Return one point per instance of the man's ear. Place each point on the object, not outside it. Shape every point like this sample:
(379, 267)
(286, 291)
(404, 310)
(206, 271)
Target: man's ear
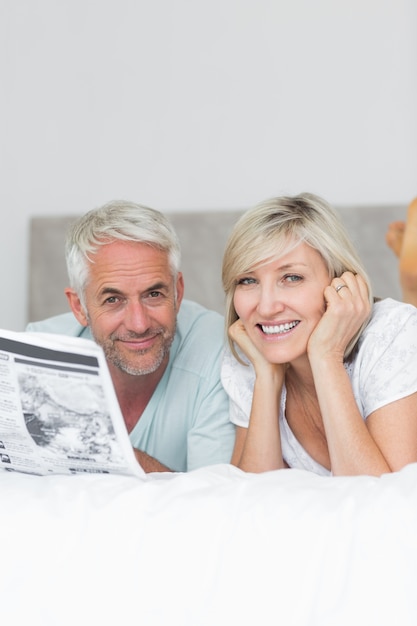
(76, 306)
(180, 289)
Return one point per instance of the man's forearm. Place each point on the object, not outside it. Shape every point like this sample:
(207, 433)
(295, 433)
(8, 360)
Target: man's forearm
(148, 463)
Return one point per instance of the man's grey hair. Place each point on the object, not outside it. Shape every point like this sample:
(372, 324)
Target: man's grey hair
(122, 221)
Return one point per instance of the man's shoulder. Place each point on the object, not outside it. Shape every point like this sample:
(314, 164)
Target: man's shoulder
(193, 317)
(199, 338)
(64, 324)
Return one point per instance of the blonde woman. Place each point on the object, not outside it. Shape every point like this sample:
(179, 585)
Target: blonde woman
(319, 376)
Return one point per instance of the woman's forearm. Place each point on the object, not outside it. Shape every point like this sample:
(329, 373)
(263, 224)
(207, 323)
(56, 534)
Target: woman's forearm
(262, 447)
(351, 447)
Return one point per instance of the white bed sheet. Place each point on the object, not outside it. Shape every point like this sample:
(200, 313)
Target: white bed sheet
(212, 547)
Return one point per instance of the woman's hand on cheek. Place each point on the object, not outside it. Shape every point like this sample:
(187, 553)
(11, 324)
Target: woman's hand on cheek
(347, 308)
(238, 333)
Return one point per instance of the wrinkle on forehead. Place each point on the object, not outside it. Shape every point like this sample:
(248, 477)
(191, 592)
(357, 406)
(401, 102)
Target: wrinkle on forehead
(124, 261)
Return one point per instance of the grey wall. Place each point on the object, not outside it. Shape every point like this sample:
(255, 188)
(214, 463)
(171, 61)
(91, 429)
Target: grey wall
(203, 236)
(199, 104)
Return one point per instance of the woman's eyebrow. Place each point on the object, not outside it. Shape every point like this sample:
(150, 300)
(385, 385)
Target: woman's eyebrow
(288, 266)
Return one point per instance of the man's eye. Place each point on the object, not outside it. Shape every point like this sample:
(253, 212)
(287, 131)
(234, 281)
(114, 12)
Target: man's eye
(112, 300)
(154, 294)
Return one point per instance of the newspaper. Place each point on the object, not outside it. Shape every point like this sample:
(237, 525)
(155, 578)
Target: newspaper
(59, 412)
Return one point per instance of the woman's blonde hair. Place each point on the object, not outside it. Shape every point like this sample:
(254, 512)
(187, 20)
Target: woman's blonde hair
(272, 227)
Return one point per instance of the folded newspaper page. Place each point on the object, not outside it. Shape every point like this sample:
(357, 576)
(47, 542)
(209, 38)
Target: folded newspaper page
(59, 412)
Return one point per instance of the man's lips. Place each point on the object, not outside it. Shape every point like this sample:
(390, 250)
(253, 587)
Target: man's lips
(140, 343)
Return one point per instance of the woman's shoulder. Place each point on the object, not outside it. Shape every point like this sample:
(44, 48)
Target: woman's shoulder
(238, 377)
(384, 365)
(391, 322)
(387, 309)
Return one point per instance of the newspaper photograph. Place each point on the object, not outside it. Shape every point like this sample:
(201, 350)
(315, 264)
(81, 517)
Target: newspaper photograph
(58, 409)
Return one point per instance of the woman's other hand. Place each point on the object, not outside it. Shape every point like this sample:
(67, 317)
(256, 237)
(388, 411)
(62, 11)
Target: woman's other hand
(347, 308)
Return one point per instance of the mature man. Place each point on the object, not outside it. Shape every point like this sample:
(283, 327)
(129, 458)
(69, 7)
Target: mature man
(163, 352)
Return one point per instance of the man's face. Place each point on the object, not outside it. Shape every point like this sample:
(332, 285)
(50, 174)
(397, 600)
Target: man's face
(131, 305)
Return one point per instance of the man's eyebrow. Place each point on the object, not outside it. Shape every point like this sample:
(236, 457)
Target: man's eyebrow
(109, 290)
(157, 286)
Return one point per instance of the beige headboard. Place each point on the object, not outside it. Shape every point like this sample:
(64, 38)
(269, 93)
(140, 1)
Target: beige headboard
(203, 236)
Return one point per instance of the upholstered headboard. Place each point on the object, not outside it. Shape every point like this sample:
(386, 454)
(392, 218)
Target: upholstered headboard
(203, 236)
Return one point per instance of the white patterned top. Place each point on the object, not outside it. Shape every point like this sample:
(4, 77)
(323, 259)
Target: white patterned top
(383, 369)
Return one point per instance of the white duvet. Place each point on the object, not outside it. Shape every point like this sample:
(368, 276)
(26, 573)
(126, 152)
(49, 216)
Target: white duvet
(212, 547)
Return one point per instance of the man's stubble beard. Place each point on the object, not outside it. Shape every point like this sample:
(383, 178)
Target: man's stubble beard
(124, 364)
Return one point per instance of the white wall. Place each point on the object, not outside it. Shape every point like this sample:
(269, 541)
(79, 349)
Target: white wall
(199, 104)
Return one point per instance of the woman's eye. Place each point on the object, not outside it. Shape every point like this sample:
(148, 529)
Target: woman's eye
(293, 278)
(246, 280)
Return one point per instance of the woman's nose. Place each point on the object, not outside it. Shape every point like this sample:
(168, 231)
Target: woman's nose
(270, 302)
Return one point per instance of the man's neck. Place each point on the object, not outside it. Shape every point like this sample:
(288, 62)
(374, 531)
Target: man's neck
(134, 392)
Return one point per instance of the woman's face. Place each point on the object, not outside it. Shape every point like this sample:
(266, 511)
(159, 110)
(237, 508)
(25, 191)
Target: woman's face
(280, 302)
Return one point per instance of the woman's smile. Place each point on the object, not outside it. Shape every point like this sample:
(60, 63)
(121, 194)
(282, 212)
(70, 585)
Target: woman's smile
(278, 329)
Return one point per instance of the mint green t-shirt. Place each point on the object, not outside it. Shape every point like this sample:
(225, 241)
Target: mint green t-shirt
(186, 424)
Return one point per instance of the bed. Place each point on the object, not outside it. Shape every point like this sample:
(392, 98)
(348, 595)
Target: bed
(216, 546)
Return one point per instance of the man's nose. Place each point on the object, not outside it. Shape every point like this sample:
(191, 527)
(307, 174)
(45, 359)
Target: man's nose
(136, 316)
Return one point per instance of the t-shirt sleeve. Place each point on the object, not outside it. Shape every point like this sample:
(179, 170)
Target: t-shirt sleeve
(211, 439)
(209, 432)
(238, 381)
(388, 368)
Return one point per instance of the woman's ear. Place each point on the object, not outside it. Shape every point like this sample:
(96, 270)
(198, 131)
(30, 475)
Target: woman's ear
(76, 306)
